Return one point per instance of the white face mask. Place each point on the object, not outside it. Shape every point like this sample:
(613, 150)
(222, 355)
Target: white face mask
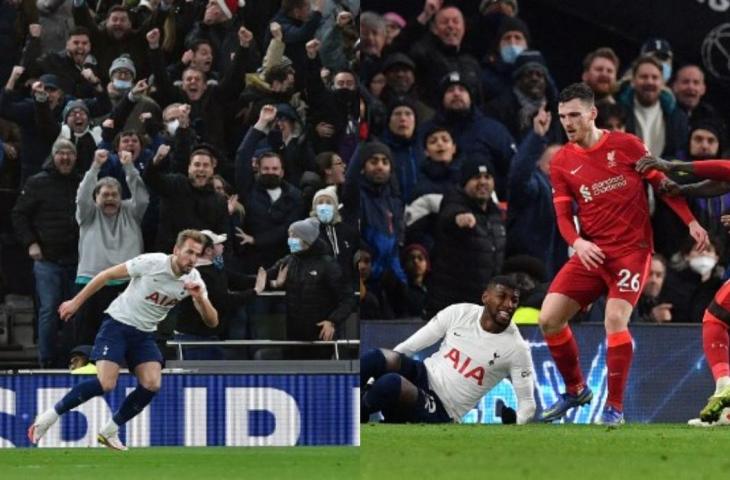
(172, 126)
(703, 264)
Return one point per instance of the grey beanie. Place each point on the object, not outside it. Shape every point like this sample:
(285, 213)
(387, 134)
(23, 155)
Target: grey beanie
(73, 105)
(123, 62)
(62, 144)
(307, 230)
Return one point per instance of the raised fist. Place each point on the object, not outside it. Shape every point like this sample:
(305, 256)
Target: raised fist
(267, 114)
(89, 76)
(162, 152)
(244, 37)
(125, 157)
(312, 47)
(343, 18)
(17, 72)
(153, 38)
(276, 30)
(35, 30)
(101, 156)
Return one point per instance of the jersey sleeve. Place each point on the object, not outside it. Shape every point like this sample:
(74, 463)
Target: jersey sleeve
(429, 334)
(563, 202)
(522, 375)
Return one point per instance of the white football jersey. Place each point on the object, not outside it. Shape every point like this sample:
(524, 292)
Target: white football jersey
(471, 361)
(152, 291)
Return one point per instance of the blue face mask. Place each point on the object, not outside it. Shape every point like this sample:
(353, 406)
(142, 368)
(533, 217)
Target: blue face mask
(122, 84)
(509, 53)
(666, 71)
(325, 212)
(295, 244)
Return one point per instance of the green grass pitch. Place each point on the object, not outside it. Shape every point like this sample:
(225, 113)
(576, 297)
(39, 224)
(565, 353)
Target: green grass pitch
(181, 463)
(565, 452)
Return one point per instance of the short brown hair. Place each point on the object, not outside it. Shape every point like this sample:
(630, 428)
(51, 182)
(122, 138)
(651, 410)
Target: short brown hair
(603, 52)
(189, 234)
(651, 59)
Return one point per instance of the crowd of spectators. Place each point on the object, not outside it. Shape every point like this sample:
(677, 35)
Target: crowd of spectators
(123, 123)
(459, 123)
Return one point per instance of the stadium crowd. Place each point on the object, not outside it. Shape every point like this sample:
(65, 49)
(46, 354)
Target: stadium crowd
(459, 123)
(283, 127)
(124, 123)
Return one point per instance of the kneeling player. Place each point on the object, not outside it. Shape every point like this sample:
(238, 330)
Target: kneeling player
(480, 347)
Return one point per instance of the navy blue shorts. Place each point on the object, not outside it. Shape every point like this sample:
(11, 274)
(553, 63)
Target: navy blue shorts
(119, 343)
(428, 408)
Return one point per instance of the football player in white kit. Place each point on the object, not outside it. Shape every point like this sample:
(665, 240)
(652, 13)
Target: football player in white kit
(480, 346)
(158, 282)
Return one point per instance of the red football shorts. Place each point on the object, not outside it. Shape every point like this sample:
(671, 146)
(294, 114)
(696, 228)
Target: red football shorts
(620, 277)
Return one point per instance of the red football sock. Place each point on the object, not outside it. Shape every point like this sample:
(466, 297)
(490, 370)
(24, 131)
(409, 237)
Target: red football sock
(564, 350)
(715, 343)
(618, 361)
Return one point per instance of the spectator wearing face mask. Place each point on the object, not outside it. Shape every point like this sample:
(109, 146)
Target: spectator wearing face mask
(342, 238)
(692, 280)
(318, 300)
(122, 80)
(271, 202)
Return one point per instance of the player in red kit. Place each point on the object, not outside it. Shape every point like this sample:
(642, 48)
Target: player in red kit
(715, 338)
(596, 171)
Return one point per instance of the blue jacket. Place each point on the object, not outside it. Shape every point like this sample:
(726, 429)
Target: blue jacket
(407, 156)
(381, 220)
(531, 225)
(478, 135)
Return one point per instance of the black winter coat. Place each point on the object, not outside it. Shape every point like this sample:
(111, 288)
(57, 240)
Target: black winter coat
(465, 259)
(184, 206)
(44, 213)
(315, 291)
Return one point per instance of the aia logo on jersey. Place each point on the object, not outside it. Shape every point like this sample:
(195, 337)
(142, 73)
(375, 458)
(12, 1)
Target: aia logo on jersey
(611, 158)
(586, 193)
(161, 300)
(477, 373)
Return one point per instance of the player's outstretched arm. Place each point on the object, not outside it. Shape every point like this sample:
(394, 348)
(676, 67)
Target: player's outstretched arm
(705, 188)
(427, 335)
(70, 307)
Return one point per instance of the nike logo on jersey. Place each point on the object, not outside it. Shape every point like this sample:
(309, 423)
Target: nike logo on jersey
(526, 373)
(575, 170)
(457, 334)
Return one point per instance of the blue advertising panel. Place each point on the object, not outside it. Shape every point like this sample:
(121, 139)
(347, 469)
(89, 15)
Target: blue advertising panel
(669, 379)
(192, 410)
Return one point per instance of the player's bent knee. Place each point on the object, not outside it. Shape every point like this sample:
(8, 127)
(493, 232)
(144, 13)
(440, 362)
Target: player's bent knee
(108, 384)
(152, 384)
(392, 359)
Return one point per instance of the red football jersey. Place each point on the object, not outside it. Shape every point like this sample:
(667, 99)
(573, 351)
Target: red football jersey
(613, 209)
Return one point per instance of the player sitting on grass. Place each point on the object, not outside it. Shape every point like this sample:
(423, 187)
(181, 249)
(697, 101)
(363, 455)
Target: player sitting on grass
(716, 320)
(158, 282)
(480, 346)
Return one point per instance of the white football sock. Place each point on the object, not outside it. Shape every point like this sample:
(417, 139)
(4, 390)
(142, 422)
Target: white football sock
(721, 383)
